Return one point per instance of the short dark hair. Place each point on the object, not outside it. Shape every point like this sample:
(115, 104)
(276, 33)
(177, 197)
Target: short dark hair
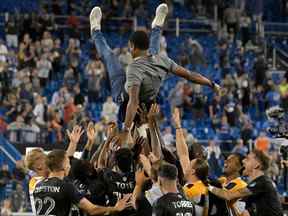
(240, 158)
(140, 40)
(262, 158)
(168, 171)
(54, 160)
(124, 159)
(201, 169)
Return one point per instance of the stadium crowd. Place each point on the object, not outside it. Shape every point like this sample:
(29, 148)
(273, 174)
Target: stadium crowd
(155, 163)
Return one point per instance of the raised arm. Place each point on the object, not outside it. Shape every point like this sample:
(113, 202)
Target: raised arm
(74, 138)
(132, 105)
(153, 129)
(195, 78)
(91, 135)
(181, 146)
(228, 195)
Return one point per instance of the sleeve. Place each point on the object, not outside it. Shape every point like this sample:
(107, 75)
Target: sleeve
(72, 194)
(171, 65)
(134, 76)
(256, 187)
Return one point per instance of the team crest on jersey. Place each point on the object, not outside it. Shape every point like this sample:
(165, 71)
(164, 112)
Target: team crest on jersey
(124, 178)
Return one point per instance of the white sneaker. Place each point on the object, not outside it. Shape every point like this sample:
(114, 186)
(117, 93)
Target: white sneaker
(95, 19)
(160, 16)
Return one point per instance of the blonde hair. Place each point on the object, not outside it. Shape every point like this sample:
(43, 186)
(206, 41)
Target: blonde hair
(32, 157)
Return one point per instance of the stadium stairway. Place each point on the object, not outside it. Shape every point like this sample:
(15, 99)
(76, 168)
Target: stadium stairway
(8, 153)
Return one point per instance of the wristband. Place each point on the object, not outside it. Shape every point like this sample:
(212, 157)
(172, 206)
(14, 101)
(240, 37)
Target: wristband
(178, 128)
(210, 188)
(212, 84)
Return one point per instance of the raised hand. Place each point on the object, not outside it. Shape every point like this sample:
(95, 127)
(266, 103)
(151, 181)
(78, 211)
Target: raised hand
(123, 203)
(177, 118)
(153, 159)
(139, 143)
(75, 135)
(140, 177)
(153, 112)
(91, 132)
(146, 163)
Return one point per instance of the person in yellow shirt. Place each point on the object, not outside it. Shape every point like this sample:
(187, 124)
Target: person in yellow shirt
(195, 171)
(232, 182)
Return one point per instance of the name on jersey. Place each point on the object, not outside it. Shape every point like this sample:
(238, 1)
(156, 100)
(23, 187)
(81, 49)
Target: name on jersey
(47, 189)
(182, 204)
(125, 186)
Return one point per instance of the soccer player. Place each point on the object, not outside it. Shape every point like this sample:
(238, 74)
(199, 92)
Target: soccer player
(54, 196)
(232, 182)
(120, 180)
(260, 195)
(115, 70)
(172, 203)
(35, 161)
(145, 75)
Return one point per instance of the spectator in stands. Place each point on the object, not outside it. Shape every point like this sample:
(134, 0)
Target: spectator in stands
(260, 69)
(71, 77)
(39, 110)
(3, 125)
(213, 150)
(60, 97)
(11, 30)
(14, 129)
(3, 52)
(196, 52)
(110, 110)
(262, 143)
(73, 50)
(69, 110)
(6, 209)
(231, 19)
(272, 96)
(56, 124)
(213, 157)
(168, 139)
(47, 42)
(245, 24)
(44, 67)
(56, 56)
(18, 199)
(240, 148)
(79, 98)
(32, 128)
(96, 73)
(176, 96)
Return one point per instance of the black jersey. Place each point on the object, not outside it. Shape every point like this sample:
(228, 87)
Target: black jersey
(54, 196)
(173, 204)
(117, 185)
(264, 200)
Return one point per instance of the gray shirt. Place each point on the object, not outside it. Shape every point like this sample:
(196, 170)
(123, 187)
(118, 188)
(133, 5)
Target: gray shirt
(148, 72)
